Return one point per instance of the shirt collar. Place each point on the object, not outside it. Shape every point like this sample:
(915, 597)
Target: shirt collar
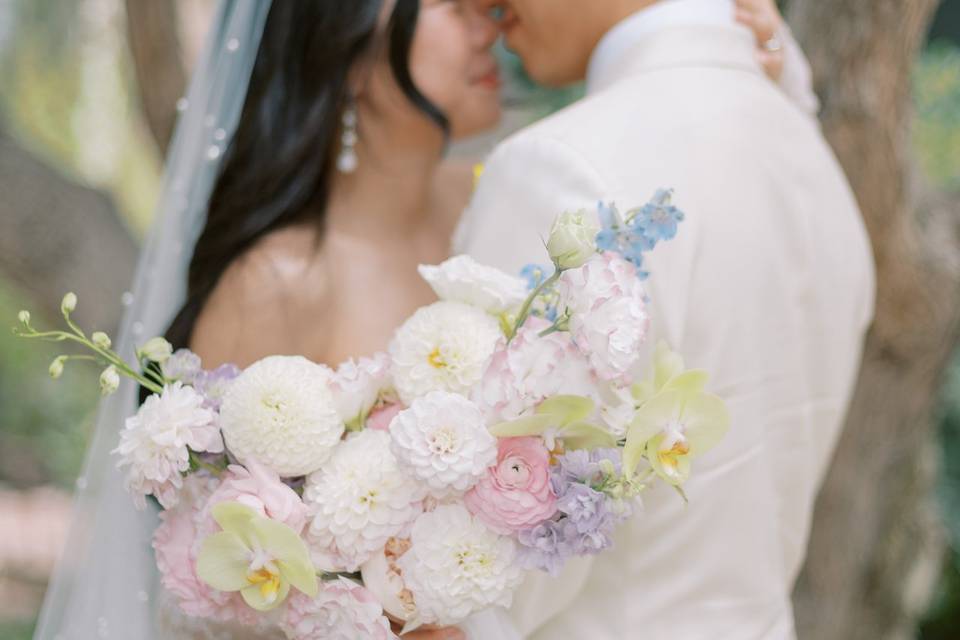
(648, 21)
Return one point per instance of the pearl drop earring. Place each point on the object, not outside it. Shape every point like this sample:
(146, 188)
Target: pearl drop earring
(347, 158)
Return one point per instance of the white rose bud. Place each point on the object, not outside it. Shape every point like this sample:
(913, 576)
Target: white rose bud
(573, 240)
(157, 349)
(24, 317)
(109, 380)
(56, 367)
(101, 339)
(69, 303)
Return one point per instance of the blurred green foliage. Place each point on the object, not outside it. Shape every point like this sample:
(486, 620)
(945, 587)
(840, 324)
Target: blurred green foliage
(937, 121)
(44, 423)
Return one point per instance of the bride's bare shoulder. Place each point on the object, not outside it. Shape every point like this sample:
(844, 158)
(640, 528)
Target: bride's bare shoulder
(258, 306)
(453, 186)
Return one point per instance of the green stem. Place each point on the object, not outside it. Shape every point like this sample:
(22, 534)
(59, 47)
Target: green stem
(528, 303)
(200, 464)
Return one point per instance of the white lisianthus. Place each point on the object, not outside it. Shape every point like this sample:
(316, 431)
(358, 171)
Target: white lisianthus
(357, 384)
(442, 440)
(606, 302)
(463, 279)
(154, 443)
(109, 380)
(69, 303)
(357, 501)
(442, 347)
(157, 349)
(573, 239)
(101, 339)
(280, 412)
(56, 367)
(24, 317)
(456, 566)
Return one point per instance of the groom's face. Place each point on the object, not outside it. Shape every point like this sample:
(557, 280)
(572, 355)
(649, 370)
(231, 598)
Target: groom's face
(554, 38)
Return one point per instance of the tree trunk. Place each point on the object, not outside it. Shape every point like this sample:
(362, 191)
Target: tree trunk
(152, 31)
(57, 236)
(876, 544)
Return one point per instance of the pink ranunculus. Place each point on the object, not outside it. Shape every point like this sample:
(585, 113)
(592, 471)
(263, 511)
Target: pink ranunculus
(516, 492)
(380, 418)
(259, 488)
(176, 543)
(343, 610)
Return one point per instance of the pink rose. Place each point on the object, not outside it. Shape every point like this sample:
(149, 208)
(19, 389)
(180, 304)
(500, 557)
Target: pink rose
(260, 489)
(516, 493)
(177, 542)
(381, 418)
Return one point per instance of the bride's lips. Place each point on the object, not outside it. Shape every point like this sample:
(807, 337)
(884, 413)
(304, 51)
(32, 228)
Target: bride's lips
(490, 79)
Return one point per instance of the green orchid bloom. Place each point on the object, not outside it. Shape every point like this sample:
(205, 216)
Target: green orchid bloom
(672, 428)
(563, 418)
(259, 557)
(668, 373)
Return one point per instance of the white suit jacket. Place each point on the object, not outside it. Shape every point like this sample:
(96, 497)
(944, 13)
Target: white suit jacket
(768, 285)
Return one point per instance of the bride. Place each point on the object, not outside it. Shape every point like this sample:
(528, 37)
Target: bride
(308, 171)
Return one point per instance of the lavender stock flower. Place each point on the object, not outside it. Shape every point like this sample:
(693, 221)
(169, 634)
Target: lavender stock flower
(213, 384)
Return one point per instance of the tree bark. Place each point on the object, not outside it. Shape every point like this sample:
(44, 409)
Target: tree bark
(57, 236)
(152, 32)
(876, 545)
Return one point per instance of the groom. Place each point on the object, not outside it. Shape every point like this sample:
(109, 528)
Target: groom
(768, 286)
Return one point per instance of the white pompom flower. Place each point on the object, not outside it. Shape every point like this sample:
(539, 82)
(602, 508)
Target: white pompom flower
(456, 566)
(281, 412)
(442, 347)
(155, 443)
(442, 440)
(463, 279)
(357, 501)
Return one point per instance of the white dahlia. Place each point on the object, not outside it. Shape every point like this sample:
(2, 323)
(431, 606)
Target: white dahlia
(456, 566)
(442, 347)
(442, 440)
(280, 412)
(463, 279)
(357, 501)
(155, 443)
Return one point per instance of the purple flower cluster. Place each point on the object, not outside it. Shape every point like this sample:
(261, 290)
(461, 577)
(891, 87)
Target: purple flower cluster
(184, 365)
(213, 385)
(584, 522)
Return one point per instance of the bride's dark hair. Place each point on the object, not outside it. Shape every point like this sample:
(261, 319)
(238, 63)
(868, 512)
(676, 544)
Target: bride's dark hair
(277, 167)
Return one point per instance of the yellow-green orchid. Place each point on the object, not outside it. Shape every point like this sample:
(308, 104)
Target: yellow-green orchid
(259, 557)
(668, 373)
(559, 418)
(673, 427)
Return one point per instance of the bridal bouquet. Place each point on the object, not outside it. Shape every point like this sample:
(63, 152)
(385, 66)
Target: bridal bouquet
(504, 430)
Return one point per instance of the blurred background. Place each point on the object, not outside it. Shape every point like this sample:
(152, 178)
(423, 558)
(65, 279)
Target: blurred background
(87, 104)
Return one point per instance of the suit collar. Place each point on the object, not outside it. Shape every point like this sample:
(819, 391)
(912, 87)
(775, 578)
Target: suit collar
(673, 46)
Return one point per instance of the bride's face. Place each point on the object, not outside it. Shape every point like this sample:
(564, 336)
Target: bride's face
(451, 63)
